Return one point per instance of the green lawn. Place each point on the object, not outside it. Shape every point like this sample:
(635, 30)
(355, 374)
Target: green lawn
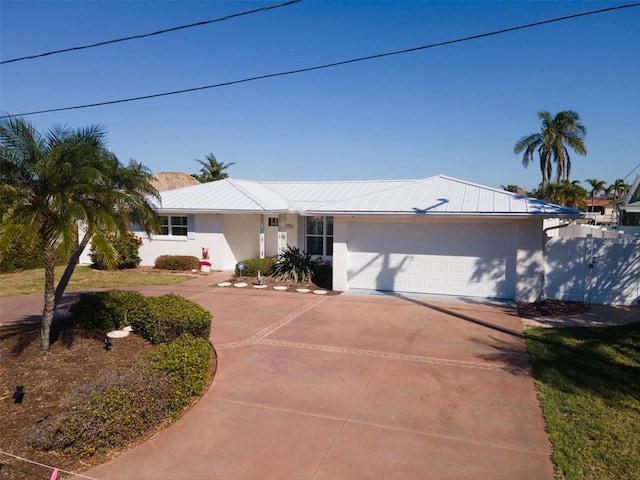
(588, 381)
(32, 281)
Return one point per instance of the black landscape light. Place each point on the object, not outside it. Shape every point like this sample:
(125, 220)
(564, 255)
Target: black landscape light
(18, 396)
(107, 344)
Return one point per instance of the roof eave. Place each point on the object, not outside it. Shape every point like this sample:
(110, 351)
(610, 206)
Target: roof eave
(503, 215)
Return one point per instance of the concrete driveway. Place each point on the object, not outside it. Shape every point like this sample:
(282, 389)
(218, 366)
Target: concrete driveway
(353, 387)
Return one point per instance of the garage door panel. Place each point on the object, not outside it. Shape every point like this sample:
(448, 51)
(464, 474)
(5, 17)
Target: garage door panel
(472, 260)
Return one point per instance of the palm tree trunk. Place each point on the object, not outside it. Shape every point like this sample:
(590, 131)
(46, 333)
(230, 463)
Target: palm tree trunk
(49, 295)
(68, 271)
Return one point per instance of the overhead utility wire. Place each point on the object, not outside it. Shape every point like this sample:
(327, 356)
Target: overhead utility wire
(159, 32)
(327, 65)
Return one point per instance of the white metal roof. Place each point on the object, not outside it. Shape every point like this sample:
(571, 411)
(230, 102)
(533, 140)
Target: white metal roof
(439, 195)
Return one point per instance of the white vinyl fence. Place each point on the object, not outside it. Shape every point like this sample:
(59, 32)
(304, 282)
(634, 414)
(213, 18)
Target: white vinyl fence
(596, 270)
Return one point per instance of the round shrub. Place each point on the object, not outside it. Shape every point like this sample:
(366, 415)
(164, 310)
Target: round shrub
(171, 316)
(111, 412)
(177, 262)
(110, 310)
(185, 362)
(253, 265)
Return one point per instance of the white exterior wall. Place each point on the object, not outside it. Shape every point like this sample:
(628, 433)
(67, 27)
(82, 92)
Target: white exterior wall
(204, 231)
(340, 254)
(529, 260)
(230, 239)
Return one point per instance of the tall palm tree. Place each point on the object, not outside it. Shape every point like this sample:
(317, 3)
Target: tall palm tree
(597, 186)
(53, 181)
(211, 169)
(552, 144)
(618, 189)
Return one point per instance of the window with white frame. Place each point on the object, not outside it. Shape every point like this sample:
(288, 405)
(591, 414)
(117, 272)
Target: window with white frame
(173, 226)
(319, 236)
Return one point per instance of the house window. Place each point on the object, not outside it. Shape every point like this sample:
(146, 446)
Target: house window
(176, 226)
(319, 236)
(273, 221)
(631, 219)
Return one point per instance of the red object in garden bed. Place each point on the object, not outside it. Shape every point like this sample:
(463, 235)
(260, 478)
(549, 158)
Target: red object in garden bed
(204, 265)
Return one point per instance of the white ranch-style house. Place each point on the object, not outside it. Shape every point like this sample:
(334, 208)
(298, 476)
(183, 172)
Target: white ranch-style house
(437, 235)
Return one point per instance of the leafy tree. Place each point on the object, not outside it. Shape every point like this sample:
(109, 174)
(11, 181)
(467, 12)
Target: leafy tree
(552, 144)
(618, 189)
(54, 181)
(211, 169)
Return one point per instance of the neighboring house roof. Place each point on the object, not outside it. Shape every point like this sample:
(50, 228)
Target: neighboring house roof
(439, 195)
(164, 181)
(631, 202)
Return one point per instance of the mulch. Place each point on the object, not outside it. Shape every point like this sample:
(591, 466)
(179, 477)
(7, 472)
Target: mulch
(551, 308)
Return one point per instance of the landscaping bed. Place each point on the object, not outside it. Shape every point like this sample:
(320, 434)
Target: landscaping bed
(551, 308)
(76, 358)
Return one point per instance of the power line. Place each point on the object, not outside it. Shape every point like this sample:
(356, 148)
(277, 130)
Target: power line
(328, 65)
(159, 32)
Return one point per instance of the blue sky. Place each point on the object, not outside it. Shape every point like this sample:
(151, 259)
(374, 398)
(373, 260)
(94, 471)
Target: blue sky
(455, 110)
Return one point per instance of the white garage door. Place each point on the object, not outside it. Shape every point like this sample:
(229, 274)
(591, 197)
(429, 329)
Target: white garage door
(451, 259)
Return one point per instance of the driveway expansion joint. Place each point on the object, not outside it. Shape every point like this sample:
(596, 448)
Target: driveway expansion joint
(392, 356)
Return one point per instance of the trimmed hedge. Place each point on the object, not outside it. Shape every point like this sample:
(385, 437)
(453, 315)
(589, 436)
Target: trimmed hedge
(156, 319)
(252, 265)
(172, 316)
(177, 262)
(110, 310)
(185, 362)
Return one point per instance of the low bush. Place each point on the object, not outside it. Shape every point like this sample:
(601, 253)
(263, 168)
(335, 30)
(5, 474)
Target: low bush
(295, 264)
(177, 262)
(253, 265)
(185, 362)
(127, 256)
(171, 316)
(111, 412)
(110, 310)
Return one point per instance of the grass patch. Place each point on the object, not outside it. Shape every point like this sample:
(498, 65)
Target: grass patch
(32, 281)
(588, 382)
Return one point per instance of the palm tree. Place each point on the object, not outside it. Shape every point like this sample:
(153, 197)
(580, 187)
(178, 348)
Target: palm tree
(211, 169)
(53, 181)
(618, 189)
(570, 194)
(597, 186)
(552, 143)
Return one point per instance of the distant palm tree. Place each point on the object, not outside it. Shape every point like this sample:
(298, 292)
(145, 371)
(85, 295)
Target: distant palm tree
(552, 143)
(618, 189)
(597, 186)
(570, 194)
(211, 169)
